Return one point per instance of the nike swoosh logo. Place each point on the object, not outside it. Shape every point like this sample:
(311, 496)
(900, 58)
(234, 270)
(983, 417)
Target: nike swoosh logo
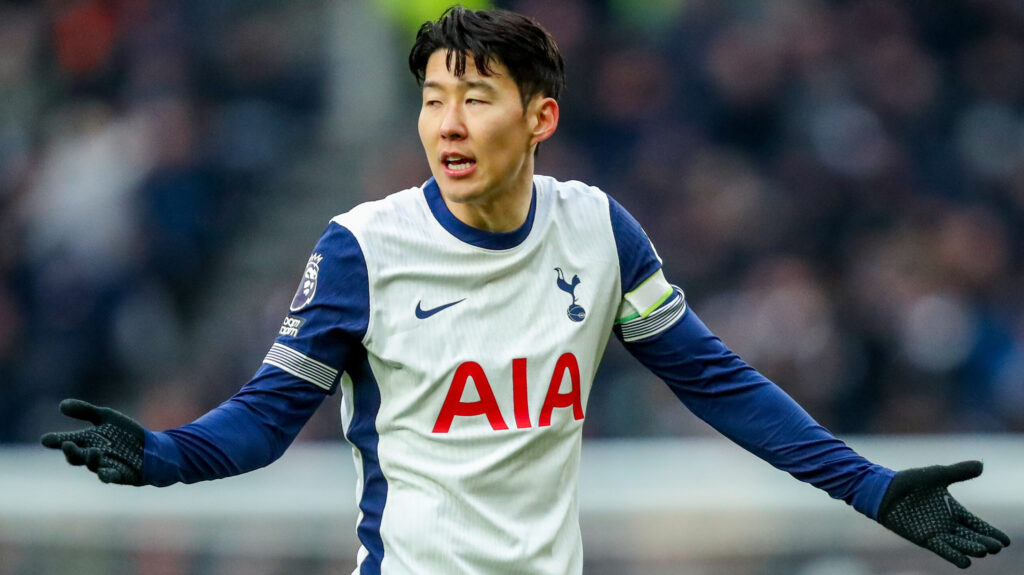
(425, 313)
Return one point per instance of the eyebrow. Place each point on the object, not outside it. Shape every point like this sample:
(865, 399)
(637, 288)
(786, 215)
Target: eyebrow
(470, 84)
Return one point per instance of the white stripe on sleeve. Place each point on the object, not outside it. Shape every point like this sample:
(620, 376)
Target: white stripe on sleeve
(297, 364)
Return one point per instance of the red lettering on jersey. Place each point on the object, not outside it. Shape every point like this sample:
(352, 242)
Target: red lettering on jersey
(557, 399)
(519, 398)
(453, 404)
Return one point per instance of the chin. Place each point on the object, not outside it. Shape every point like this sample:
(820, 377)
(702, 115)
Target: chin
(459, 191)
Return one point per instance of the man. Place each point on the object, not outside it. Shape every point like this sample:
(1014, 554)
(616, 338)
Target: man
(464, 321)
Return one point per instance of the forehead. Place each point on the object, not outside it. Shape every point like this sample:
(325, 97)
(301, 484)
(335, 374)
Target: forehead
(437, 73)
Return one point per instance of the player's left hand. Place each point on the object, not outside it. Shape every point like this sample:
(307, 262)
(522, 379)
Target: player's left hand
(918, 507)
(113, 449)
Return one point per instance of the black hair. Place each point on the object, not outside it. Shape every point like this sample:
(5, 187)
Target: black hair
(518, 42)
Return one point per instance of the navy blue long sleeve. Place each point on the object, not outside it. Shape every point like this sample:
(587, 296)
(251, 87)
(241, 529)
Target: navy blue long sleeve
(248, 431)
(327, 319)
(721, 389)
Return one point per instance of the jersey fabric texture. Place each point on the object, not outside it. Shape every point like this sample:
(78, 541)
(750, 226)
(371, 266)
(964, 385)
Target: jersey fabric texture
(465, 360)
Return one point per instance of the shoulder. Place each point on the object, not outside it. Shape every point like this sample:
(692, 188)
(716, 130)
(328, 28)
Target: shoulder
(347, 235)
(569, 191)
(395, 210)
(574, 193)
(579, 202)
(573, 202)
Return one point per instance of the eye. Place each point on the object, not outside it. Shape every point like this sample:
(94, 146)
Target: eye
(474, 101)
(432, 103)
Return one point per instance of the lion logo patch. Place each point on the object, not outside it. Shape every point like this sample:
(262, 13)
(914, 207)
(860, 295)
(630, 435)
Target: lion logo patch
(307, 287)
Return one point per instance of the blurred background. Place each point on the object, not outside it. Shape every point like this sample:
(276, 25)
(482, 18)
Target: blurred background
(837, 185)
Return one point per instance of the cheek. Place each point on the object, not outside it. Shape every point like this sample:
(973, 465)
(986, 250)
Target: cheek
(428, 124)
(421, 128)
(507, 140)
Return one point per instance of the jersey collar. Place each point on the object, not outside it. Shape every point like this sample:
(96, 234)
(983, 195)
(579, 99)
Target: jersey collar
(469, 234)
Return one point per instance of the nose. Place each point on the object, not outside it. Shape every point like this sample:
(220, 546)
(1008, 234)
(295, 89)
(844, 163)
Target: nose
(452, 125)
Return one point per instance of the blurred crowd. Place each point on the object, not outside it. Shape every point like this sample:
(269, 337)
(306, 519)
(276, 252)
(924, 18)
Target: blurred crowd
(838, 186)
(130, 133)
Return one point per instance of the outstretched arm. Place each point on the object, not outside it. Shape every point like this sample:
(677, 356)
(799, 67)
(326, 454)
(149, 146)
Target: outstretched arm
(658, 329)
(721, 389)
(252, 429)
(745, 406)
(249, 431)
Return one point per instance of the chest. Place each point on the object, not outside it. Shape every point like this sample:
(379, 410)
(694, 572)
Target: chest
(439, 302)
(507, 332)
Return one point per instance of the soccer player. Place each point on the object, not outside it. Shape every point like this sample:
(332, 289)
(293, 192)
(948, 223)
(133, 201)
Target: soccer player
(464, 320)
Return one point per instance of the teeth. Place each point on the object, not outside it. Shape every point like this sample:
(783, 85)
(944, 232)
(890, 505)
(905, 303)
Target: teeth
(458, 163)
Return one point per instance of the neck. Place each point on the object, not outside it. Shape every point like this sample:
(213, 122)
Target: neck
(500, 210)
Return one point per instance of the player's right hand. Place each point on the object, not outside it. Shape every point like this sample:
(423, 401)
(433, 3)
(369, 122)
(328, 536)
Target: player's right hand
(112, 449)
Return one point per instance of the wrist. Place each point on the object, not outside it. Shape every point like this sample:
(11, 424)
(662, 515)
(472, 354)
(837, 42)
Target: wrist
(159, 459)
(872, 490)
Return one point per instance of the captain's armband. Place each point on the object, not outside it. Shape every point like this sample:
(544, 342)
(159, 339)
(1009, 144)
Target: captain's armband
(650, 309)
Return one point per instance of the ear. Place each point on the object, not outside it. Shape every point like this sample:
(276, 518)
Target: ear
(543, 116)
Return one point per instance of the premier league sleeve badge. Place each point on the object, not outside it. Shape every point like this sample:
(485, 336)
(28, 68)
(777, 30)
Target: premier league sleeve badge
(307, 287)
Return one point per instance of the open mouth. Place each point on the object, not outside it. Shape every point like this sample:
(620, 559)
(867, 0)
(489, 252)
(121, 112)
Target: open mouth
(457, 165)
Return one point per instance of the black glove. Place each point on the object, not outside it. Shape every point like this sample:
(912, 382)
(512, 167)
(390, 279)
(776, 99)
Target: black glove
(918, 507)
(112, 450)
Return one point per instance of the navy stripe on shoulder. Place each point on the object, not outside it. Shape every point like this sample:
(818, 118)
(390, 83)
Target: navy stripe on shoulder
(637, 258)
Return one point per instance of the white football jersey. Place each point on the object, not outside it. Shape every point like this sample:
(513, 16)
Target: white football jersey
(465, 394)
